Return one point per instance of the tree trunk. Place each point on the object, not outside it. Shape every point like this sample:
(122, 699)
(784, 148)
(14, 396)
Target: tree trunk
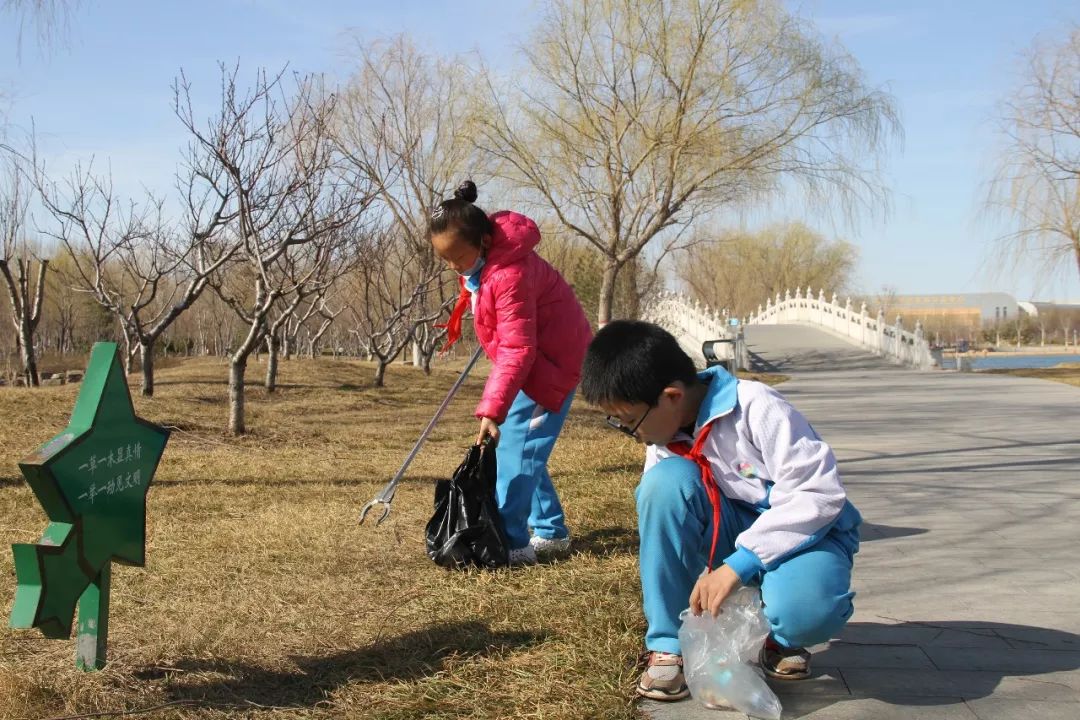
(380, 372)
(26, 305)
(316, 339)
(237, 368)
(273, 349)
(29, 355)
(129, 354)
(607, 293)
(146, 357)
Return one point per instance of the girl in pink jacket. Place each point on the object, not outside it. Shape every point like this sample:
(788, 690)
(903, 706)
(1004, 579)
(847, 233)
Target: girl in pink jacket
(533, 329)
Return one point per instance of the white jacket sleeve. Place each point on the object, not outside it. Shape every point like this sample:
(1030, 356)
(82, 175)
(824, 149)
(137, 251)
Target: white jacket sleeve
(807, 495)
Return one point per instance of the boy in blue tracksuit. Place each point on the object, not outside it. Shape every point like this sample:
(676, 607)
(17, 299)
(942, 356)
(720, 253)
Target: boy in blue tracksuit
(737, 489)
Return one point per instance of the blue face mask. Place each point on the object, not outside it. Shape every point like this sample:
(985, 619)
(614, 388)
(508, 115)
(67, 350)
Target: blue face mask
(472, 275)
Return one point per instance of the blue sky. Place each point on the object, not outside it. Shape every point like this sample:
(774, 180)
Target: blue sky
(105, 92)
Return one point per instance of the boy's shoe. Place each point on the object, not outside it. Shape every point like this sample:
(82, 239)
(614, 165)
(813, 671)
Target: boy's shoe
(550, 546)
(522, 556)
(663, 678)
(781, 663)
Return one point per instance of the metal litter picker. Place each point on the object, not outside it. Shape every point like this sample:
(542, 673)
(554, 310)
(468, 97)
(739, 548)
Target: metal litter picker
(387, 495)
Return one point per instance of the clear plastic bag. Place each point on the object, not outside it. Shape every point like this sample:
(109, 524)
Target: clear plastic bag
(719, 656)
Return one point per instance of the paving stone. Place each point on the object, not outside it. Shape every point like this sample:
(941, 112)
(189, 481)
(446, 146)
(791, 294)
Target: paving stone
(968, 684)
(970, 638)
(858, 631)
(825, 681)
(840, 655)
(1044, 638)
(688, 709)
(1014, 661)
(893, 708)
(1005, 709)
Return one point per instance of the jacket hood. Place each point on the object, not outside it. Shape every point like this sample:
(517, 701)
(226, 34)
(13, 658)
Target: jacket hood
(515, 237)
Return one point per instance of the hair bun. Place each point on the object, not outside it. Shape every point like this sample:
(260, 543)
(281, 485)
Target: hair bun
(466, 191)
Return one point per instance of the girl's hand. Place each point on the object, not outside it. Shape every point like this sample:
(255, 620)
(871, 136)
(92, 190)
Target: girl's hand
(488, 429)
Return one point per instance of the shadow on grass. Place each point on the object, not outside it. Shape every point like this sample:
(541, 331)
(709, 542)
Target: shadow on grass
(633, 467)
(409, 657)
(604, 542)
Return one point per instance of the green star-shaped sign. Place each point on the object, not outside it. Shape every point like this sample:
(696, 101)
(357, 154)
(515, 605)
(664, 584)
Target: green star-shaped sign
(92, 481)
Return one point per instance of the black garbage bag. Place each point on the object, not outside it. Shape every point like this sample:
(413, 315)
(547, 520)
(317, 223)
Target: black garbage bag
(466, 528)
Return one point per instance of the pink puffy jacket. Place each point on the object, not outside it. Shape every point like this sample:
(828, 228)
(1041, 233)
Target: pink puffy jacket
(528, 320)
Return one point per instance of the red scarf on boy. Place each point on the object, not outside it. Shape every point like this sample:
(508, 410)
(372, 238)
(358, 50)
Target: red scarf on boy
(694, 452)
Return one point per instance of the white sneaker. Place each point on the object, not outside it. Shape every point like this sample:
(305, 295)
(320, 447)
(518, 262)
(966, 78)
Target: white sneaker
(550, 546)
(522, 556)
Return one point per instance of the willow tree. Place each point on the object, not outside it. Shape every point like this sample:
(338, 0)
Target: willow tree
(635, 117)
(269, 147)
(405, 129)
(1037, 182)
(737, 271)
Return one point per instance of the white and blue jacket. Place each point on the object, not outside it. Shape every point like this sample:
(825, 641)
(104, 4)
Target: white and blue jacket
(764, 453)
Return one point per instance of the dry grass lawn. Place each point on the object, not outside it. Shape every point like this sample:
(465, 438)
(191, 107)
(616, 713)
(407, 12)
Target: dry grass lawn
(263, 598)
(1068, 373)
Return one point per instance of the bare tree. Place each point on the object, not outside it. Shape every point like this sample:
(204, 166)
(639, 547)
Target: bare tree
(635, 118)
(1037, 182)
(131, 261)
(272, 145)
(25, 288)
(737, 271)
(406, 129)
(384, 300)
(327, 318)
(311, 270)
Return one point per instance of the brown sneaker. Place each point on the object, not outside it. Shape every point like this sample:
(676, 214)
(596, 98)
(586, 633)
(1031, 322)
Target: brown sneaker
(663, 678)
(782, 663)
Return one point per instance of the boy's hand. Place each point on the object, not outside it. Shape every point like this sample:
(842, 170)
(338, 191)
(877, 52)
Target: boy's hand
(488, 428)
(712, 589)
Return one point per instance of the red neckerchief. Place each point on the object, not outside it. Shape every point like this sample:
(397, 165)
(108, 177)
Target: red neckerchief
(453, 325)
(694, 453)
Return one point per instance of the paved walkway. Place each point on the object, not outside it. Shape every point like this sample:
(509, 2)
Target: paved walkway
(968, 578)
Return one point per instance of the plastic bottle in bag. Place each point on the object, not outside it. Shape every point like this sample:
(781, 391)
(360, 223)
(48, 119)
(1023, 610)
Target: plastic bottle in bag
(719, 656)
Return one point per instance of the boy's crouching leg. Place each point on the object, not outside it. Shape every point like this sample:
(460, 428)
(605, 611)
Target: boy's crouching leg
(808, 598)
(674, 518)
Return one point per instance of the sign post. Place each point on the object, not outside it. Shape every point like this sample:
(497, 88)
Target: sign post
(92, 481)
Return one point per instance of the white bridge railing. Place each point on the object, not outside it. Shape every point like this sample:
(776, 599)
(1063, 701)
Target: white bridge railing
(693, 325)
(857, 326)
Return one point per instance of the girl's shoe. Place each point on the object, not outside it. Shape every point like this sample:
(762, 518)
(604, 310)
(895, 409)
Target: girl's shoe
(550, 546)
(522, 556)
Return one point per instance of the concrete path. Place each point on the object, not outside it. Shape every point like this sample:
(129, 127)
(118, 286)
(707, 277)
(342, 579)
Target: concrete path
(968, 578)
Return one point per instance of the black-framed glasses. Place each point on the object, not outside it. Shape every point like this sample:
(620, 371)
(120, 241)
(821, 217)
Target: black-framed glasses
(614, 422)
